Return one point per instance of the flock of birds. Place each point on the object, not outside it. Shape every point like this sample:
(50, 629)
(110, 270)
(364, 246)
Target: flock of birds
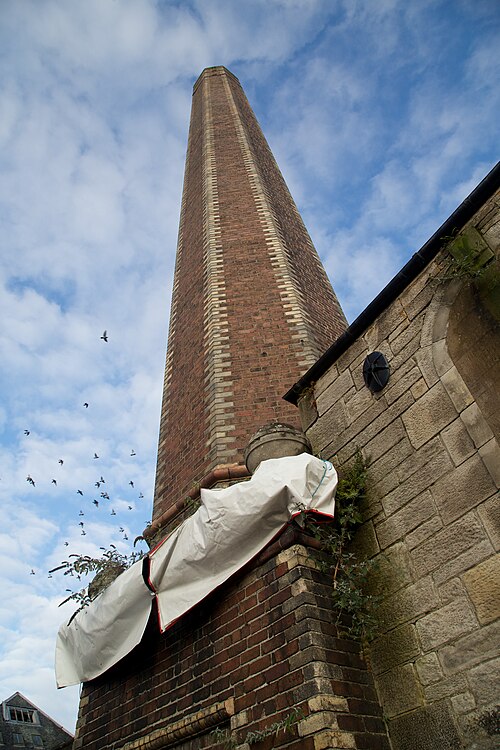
(104, 495)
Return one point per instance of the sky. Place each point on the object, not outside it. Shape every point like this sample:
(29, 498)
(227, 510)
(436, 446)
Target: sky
(382, 115)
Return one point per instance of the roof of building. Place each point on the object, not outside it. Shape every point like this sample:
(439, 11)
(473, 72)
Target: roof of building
(465, 211)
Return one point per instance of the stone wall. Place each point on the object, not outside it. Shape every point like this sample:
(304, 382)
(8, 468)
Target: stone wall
(433, 516)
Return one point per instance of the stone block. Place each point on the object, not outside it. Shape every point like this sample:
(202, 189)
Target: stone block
(429, 415)
(308, 409)
(429, 669)
(451, 589)
(446, 688)
(471, 649)
(439, 463)
(427, 728)
(447, 544)
(463, 703)
(403, 384)
(382, 475)
(476, 425)
(394, 648)
(464, 488)
(329, 739)
(483, 586)
(399, 690)
(441, 357)
(406, 519)
(420, 302)
(365, 541)
(389, 320)
(423, 532)
(446, 624)
(357, 349)
(370, 424)
(419, 388)
(331, 425)
(408, 604)
(399, 338)
(334, 392)
(425, 361)
(456, 389)
(484, 682)
(457, 565)
(385, 440)
(489, 513)
(490, 453)
(458, 442)
(392, 573)
(358, 402)
(440, 323)
(406, 354)
(325, 380)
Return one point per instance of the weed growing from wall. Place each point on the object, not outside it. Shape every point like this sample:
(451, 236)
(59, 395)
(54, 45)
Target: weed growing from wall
(348, 570)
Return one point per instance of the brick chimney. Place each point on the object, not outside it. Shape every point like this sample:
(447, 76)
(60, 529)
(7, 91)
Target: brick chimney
(252, 307)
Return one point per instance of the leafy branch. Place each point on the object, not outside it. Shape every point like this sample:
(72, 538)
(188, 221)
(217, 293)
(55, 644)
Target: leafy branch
(108, 566)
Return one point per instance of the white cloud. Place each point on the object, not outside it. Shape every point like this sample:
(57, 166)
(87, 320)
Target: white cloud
(377, 134)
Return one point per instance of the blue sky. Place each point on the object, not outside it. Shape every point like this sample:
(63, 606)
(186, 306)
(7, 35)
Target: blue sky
(383, 115)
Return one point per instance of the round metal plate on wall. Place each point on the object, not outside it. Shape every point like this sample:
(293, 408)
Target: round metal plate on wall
(376, 371)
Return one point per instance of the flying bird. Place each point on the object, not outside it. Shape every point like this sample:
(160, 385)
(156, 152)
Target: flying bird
(84, 533)
(60, 461)
(95, 455)
(54, 482)
(81, 513)
(82, 524)
(104, 336)
(121, 529)
(130, 507)
(30, 480)
(96, 503)
(79, 492)
(141, 496)
(125, 537)
(97, 484)
(113, 513)
(105, 495)
(32, 572)
(131, 483)
(133, 453)
(66, 544)
(26, 432)
(102, 480)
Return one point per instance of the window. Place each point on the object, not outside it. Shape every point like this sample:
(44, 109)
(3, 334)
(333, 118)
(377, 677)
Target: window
(17, 738)
(26, 715)
(37, 740)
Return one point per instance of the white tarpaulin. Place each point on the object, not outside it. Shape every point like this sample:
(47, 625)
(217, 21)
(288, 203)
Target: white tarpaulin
(232, 526)
(105, 631)
(229, 529)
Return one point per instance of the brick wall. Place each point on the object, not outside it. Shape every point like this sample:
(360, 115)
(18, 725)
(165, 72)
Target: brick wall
(252, 307)
(265, 645)
(432, 520)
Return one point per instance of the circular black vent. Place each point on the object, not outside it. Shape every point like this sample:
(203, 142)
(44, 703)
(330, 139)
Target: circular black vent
(376, 371)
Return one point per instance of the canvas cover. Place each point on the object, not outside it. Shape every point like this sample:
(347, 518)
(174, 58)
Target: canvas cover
(229, 529)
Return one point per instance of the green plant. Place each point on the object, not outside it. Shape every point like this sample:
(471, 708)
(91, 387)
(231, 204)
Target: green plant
(111, 562)
(296, 715)
(468, 256)
(228, 740)
(348, 570)
(224, 737)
